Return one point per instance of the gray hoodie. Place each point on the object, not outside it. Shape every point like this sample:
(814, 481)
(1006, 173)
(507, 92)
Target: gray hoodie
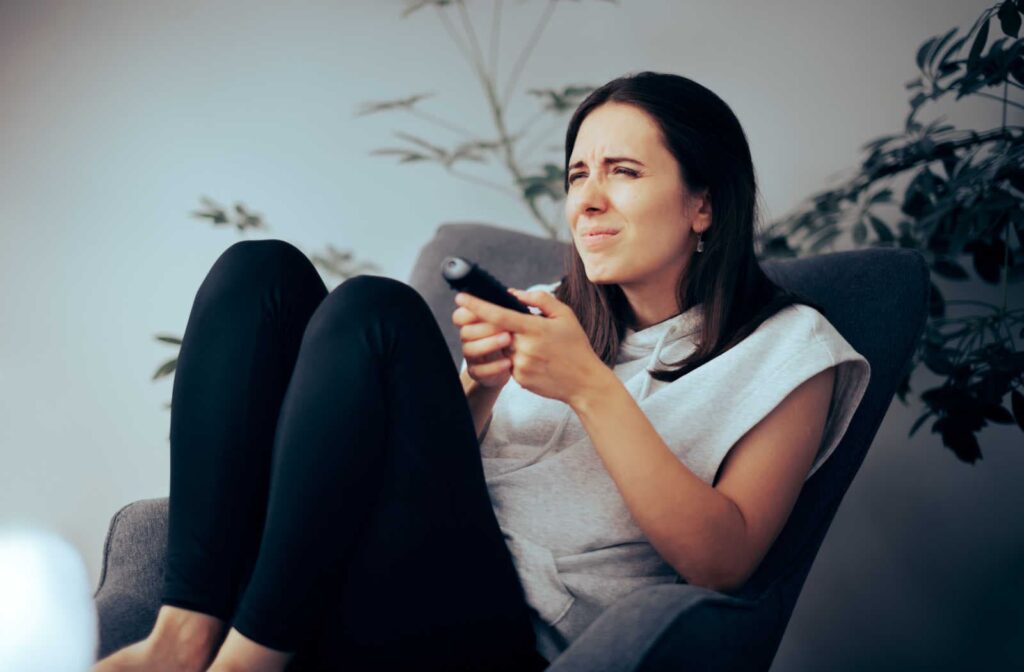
(576, 547)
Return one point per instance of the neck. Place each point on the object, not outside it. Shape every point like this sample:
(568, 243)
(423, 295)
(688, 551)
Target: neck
(650, 309)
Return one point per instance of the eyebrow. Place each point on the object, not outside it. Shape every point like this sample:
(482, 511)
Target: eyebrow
(609, 161)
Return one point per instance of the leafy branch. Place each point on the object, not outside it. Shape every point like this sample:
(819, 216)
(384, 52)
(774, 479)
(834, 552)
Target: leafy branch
(334, 262)
(535, 183)
(964, 200)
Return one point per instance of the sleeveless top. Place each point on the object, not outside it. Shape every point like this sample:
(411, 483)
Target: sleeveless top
(576, 547)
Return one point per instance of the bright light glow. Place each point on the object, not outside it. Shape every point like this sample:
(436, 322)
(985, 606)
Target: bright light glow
(47, 615)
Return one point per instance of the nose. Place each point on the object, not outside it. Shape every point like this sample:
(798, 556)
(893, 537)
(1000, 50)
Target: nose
(591, 197)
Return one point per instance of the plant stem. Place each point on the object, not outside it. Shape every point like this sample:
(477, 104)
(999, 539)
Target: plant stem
(468, 25)
(485, 183)
(475, 59)
(521, 61)
(531, 121)
(506, 142)
(441, 122)
(453, 34)
(1002, 100)
(1006, 246)
(525, 151)
(495, 38)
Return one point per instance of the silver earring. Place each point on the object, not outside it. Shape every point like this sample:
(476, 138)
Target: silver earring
(700, 243)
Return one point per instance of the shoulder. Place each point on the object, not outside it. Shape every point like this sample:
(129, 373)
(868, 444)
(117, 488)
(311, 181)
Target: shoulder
(798, 326)
(796, 319)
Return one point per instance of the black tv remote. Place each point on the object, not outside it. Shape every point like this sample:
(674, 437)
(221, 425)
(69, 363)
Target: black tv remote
(464, 275)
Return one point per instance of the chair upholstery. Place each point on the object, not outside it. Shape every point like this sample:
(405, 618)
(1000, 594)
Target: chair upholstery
(876, 298)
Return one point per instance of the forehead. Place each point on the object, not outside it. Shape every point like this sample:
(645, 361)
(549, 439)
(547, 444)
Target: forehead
(617, 129)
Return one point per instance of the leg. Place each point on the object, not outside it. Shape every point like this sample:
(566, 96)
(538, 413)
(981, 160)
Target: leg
(381, 548)
(236, 357)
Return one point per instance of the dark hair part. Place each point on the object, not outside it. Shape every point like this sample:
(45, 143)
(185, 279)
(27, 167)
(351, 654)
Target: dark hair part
(707, 141)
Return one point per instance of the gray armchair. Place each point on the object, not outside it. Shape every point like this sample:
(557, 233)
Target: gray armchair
(876, 298)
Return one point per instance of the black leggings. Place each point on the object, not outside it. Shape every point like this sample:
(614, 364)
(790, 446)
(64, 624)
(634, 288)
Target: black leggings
(327, 495)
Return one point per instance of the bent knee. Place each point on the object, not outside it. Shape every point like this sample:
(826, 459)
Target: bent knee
(379, 291)
(263, 252)
(375, 297)
(249, 265)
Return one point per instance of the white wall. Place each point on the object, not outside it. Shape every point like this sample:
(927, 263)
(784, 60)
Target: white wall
(115, 117)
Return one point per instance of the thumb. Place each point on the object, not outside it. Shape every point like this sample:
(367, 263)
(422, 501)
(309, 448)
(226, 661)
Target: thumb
(547, 303)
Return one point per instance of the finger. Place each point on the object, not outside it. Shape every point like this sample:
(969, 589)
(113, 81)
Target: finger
(478, 330)
(490, 368)
(507, 320)
(484, 346)
(545, 301)
(463, 316)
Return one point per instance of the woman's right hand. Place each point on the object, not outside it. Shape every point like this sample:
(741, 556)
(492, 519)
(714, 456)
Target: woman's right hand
(484, 347)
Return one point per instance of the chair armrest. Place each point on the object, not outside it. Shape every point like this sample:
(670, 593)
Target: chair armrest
(128, 595)
(675, 627)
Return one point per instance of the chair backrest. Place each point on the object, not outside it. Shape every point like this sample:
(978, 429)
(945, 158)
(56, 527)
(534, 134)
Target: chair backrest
(876, 298)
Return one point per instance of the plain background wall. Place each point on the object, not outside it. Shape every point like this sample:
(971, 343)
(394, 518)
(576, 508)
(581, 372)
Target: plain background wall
(115, 117)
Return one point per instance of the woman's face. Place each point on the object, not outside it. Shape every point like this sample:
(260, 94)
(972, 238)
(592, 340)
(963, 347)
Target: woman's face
(642, 197)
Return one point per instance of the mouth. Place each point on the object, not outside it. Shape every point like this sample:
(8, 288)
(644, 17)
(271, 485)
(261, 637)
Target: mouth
(598, 237)
(599, 232)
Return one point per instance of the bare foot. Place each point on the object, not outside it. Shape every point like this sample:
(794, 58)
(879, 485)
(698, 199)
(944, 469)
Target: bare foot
(133, 657)
(182, 641)
(240, 653)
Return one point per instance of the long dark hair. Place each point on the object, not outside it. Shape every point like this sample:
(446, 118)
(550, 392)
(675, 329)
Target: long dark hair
(707, 141)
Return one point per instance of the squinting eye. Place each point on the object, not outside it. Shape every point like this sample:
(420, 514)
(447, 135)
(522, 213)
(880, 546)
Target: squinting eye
(626, 171)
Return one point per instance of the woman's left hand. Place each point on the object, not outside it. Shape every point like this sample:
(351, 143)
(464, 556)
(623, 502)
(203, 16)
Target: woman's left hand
(551, 354)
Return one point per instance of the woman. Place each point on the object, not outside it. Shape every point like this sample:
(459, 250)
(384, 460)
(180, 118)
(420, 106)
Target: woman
(328, 496)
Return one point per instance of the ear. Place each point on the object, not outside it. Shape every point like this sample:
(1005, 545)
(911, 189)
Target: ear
(702, 212)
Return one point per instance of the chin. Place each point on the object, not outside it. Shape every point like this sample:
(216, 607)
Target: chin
(602, 278)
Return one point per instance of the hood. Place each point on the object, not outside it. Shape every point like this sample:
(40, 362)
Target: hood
(647, 343)
(651, 341)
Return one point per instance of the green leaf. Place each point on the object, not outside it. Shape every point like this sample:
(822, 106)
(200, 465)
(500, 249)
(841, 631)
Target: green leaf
(922, 51)
(948, 268)
(824, 239)
(860, 232)
(1009, 19)
(882, 230)
(1017, 404)
(406, 154)
(996, 413)
(419, 4)
(166, 368)
(958, 436)
(953, 48)
(168, 339)
(400, 103)
(917, 424)
(878, 142)
(562, 101)
(988, 259)
(1017, 70)
(934, 51)
(979, 44)
(881, 196)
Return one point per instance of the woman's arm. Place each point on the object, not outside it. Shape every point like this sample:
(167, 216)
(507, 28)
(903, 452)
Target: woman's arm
(714, 536)
(481, 402)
